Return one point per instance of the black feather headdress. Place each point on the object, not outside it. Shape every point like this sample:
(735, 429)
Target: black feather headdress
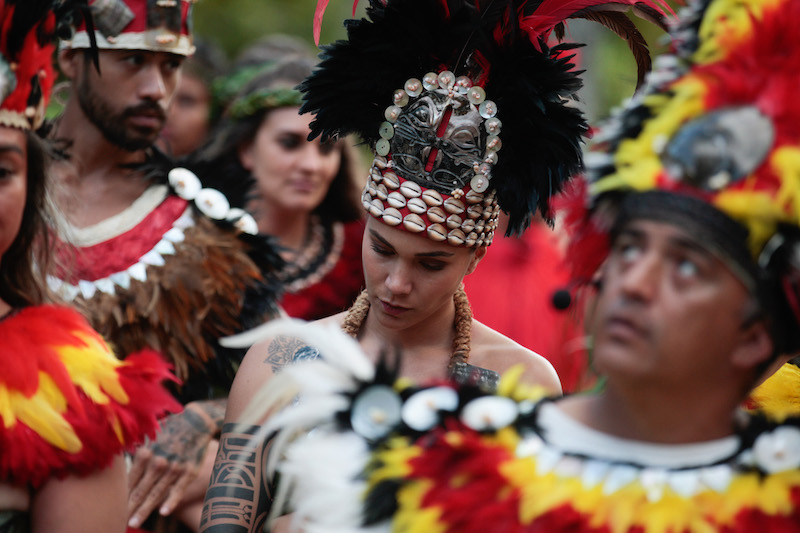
(500, 46)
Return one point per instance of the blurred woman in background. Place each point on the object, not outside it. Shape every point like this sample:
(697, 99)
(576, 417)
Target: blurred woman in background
(190, 115)
(304, 193)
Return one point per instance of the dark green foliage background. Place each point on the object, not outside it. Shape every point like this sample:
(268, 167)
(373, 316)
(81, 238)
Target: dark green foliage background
(234, 24)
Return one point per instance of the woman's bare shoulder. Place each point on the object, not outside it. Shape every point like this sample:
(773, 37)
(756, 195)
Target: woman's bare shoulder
(262, 361)
(270, 355)
(337, 319)
(493, 350)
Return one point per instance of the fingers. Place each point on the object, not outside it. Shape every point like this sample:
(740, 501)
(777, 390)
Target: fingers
(162, 471)
(140, 459)
(154, 487)
(177, 491)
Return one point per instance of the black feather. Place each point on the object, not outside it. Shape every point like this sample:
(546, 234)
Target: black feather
(541, 136)
(29, 14)
(532, 84)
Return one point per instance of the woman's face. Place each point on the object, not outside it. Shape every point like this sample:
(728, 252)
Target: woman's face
(13, 184)
(292, 174)
(410, 278)
(187, 117)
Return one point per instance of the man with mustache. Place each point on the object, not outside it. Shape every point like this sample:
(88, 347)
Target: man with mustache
(151, 257)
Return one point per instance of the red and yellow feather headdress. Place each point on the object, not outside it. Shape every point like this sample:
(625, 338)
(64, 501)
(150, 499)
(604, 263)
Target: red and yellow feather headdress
(720, 123)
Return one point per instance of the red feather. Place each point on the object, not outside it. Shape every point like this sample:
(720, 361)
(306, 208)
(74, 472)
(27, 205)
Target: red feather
(322, 5)
(34, 341)
(550, 13)
(588, 239)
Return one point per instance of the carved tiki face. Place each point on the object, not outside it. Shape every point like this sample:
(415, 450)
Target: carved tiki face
(441, 161)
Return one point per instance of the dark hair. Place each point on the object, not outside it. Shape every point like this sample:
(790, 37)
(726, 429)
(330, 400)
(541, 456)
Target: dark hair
(217, 162)
(207, 63)
(23, 265)
(272, 48)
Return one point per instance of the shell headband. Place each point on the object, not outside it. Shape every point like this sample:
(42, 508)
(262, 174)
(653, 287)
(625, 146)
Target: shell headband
(437, 186)
(155, 25)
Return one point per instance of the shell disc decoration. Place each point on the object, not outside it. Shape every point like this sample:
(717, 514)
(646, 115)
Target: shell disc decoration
(435, 155)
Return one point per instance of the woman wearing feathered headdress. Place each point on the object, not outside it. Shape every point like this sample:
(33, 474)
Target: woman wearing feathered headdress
(68, 407)
(688, 229)
(468, 111)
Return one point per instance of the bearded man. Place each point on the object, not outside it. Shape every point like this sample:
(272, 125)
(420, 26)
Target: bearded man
(150, 256)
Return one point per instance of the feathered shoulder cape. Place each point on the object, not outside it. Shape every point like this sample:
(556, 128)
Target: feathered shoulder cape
(174, 272)
(67, 405)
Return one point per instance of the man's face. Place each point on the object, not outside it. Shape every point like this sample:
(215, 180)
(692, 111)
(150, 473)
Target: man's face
(669, 312)
(127, 101)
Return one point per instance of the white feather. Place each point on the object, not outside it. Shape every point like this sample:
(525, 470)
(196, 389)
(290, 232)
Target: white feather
(338, 348)
(319, 465)
(246, 339)
(323, 469)
(343, 363)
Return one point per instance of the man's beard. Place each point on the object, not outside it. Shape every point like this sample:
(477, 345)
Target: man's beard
(111, 125)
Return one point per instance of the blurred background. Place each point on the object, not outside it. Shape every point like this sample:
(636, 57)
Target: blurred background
(233, 24)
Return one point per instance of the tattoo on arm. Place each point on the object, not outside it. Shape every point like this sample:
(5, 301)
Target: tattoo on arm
(183, 437)
(284, 350)
(214, 410)
(238, 497)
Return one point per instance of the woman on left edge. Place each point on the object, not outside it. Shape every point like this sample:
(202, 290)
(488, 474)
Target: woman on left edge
(68, 408)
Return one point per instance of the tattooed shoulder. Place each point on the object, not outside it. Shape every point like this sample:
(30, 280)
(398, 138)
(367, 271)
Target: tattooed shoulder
(285, 349)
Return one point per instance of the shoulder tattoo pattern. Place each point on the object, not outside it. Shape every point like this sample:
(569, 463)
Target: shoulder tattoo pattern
(284, 350)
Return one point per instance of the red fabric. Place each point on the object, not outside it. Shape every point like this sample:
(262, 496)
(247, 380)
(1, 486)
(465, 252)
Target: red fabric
(336, 291)
(511, 291)
(33, 61)
(121, 252)
(139, 10)
(34, 343)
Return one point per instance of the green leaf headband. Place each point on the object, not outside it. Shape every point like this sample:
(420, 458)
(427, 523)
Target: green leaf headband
(264, 99)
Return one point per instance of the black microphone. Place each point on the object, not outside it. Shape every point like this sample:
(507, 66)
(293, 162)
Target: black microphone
(561, 299)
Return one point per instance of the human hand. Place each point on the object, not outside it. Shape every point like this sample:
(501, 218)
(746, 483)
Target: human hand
(283, 524)
(164, 468)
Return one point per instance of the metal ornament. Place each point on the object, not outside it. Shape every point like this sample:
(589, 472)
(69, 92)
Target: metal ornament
(111, 16)
(442, 161)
